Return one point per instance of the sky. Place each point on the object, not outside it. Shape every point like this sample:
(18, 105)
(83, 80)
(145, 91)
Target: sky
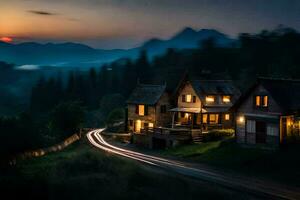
(127, 23)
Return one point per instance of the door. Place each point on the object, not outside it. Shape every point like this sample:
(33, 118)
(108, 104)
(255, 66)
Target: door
(261, 132)
(138, 126)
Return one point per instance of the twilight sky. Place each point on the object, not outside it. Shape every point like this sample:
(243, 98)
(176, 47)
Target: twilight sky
(127, 23)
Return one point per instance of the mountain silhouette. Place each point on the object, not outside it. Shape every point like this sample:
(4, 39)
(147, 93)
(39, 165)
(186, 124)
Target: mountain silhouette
(79, 55)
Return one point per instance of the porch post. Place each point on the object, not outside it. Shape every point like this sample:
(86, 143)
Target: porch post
(173, 119)
(192, 116)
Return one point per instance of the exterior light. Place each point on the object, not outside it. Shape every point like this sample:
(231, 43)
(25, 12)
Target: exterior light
(241, 119)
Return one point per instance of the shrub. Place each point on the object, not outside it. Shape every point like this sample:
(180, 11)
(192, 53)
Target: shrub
(217, 134)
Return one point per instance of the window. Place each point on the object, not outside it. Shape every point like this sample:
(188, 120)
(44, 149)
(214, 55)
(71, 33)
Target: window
(194, 99)
(141, 110)
(183, 98)
(251, 126)
(257, 101)
(204, 118)
(261, 101)
(188, 98)
(210, 99)
(150, 125)
(265, 103)
(146, 125)
(227, 117)
(213, 118)
(187, 115)
(163, 108)
(226, 99)
(272, 130)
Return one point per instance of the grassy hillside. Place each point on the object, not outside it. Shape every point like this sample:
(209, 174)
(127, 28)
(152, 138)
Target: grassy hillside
(82, 172)
(279, 165)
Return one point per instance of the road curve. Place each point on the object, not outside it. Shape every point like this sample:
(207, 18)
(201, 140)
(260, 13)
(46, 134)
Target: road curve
(259, 188)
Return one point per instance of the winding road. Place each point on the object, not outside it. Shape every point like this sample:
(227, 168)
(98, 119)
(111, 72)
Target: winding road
(244, 184)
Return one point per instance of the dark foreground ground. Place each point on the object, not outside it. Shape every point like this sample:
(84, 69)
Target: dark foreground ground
(82, 172)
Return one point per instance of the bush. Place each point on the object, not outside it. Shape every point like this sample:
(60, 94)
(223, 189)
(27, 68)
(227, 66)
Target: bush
(218, 134)
(115, 116)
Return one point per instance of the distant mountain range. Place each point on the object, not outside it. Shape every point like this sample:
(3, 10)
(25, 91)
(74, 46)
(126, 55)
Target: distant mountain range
(79, 55)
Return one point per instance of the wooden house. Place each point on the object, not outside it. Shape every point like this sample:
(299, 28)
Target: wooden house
(148, 107)
(204, 104)
(268, 113)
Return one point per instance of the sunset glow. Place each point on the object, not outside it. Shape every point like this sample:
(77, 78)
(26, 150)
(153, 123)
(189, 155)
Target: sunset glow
(6, 39)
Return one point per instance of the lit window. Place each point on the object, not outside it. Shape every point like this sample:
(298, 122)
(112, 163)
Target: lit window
(213, 118)
(265, 101)
(141, 110)
(227, 117)
(204, 118)
(188, 98)
(226, 99)
(150, 125)
(210, 99)
(257, 101)
(261, 101)
(186, 115)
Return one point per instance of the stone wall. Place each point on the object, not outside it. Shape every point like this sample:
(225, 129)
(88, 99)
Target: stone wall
(41, 152)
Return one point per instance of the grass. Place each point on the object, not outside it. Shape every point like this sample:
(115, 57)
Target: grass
(82, 172)
(281, 165)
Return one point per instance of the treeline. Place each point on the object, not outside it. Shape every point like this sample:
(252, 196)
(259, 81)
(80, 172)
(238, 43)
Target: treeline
(98, 96)
(269, 53)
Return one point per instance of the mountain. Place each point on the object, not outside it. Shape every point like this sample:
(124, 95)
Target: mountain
(79, 55)
(63, 54)
(188, 38)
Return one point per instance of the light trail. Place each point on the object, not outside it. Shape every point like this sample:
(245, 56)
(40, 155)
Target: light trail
(89, 136)
(255, 187)
(140, 155)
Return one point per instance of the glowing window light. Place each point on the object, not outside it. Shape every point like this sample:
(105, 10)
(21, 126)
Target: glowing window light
(210, 99)
(265, 98)
(150, 125)
(227, 117)
(257, 101)
(141, 110)
(188, 98)
(226, 99)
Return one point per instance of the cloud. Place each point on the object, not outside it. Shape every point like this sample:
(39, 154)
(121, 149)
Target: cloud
(41, 12)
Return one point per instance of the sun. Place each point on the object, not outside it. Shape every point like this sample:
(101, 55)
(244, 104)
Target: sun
(6, 39)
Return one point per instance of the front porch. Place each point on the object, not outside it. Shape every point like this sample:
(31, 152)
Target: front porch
(194, 118)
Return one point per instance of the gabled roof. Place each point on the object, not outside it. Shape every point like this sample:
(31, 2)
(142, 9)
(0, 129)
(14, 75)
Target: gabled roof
(146, 94)
(215, 87)
(286, 92)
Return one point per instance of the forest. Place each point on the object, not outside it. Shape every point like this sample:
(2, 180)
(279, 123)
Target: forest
(58, 107)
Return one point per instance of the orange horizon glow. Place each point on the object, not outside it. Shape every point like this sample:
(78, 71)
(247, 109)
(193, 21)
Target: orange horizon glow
(6, 39)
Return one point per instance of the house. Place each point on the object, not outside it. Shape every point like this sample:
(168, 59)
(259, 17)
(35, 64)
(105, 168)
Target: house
(160, 120)
(148, 107)
(204, 104)
(268, 113)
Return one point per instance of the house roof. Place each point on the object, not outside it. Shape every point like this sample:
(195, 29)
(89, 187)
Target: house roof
(146, 94)
(286, 92)
(215, 87)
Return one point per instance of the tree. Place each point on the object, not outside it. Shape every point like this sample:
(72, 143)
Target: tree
(67, 118)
